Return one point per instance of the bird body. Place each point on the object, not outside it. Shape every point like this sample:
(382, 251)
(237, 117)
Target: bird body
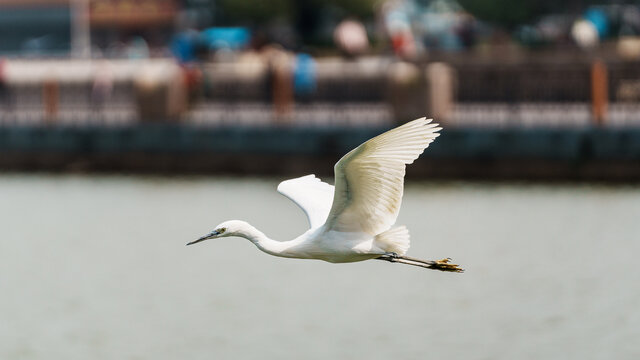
(331, 246)
(353, 220)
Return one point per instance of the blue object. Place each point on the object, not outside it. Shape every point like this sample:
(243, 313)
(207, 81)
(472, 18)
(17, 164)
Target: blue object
(233, 38)
(599, 20)
(183, 46)
(304, 75)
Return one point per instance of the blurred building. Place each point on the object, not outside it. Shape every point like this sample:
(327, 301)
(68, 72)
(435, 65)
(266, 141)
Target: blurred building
(35, 27)
(124, 27)
(110, 27)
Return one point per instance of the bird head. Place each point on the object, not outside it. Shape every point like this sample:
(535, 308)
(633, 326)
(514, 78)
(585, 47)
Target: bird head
(227, 228)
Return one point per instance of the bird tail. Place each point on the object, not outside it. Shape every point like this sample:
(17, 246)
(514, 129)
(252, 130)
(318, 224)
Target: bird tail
(394, 240)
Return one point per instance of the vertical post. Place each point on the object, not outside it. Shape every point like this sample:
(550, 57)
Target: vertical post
(80, 29)
(441, 89)
(50, 99)
(407, 92)
(599, 92)
(282, 85)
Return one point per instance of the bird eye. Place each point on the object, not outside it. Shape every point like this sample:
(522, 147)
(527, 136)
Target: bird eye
(222, 230)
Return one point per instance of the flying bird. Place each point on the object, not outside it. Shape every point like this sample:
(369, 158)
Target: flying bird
(355, 219)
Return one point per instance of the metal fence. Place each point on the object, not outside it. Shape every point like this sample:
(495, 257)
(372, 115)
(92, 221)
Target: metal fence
(348, 93)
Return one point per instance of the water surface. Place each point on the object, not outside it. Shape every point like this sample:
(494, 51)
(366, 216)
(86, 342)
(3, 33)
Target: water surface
(96, 268)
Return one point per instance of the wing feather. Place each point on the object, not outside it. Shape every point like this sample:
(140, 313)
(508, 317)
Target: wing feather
(312, 195)
(370, 178)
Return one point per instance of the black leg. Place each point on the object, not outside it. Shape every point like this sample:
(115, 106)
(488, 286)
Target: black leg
(442, 265)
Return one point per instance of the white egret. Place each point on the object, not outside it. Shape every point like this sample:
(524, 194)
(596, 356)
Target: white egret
(353, 221)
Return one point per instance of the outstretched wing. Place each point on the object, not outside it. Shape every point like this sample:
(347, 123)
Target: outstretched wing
(312, 195)
(370, 178)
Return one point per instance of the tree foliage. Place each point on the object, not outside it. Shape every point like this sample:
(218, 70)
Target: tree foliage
(251, 12)
(509, 14)
(254, 13)
(304, 16)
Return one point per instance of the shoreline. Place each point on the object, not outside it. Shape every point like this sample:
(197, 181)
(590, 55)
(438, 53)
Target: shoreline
(585, 154)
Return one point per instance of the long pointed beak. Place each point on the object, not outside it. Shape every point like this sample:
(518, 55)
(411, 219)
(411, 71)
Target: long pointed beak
(208, 236)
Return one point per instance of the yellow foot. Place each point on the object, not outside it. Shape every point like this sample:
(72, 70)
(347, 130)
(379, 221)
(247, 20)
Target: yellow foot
(446, 265)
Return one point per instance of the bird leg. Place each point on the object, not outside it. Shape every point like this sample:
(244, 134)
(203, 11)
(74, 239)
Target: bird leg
(442, 265)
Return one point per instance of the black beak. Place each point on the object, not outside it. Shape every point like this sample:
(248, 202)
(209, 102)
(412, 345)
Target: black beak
(208, 236)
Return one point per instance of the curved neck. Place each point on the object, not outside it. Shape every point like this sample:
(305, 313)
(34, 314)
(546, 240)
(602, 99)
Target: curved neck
(262, 241)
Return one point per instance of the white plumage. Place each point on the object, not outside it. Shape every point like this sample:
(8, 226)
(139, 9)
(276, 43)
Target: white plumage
(352, 221)
(313, 196)
(370, 178)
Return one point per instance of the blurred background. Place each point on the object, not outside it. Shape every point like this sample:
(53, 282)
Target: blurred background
(534, 90)
(130, 127)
